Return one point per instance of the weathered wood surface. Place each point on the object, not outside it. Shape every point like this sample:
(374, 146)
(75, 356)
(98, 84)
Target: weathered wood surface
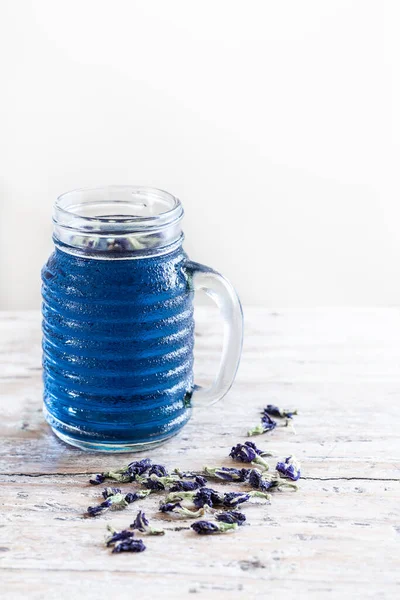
(337, 537)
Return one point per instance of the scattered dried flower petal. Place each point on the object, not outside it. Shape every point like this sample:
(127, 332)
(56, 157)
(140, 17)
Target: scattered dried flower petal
(97, 479)
(290, 468)
(116, 502)
(231, 516)
(274, 411)
(141, 523)
(117, 536)
(177, 508)
(130, 545)
(267, 424)
(249, 453)
(139, 495)
(268, 481)
(227, 473)
(158, 470)
(187, 486)
(208, 528)
(110, 491)
(201, 497)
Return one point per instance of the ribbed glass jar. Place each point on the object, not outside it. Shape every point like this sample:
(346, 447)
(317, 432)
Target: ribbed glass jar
(118, 329)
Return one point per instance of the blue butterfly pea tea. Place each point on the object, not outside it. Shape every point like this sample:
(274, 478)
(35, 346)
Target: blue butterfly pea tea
(118, 328)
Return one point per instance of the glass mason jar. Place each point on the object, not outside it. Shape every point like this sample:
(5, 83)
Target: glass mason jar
(118, 329)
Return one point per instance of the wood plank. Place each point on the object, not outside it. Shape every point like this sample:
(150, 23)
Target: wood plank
(337, 537)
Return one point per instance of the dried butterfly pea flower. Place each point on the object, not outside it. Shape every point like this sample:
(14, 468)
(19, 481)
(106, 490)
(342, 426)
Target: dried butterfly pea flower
(187, 486)
(249, 453)
(93, 511)
(267, 424)
(141, 523)
(97, 479)
(155, 483)
(231, 516)
(184, 474)
(130, 545)
(130, 472)
(234, 498)
(158, 470)
(110, 491)
(290, 468)
(177, 508)
(227, 473)
(116, 502)
(203, 496)
(117, 536)
(274, 411)
(139, 495)
(208, 528)
(268, 481)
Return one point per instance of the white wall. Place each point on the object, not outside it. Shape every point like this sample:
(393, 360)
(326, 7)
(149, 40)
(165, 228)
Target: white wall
(276, 123)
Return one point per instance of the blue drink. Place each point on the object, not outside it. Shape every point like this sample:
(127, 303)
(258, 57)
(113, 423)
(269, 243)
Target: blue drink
(118, 329)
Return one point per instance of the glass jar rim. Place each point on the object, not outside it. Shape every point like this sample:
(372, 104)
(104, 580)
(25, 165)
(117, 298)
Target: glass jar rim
(73, 209)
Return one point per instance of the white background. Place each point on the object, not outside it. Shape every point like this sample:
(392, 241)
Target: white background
(276, 123)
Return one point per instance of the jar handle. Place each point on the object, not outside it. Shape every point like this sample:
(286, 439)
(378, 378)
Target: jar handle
(224, 295)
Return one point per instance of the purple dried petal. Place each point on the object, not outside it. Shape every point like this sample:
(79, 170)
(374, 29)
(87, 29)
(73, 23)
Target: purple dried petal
(154, 484)
(169, 506)
(141, 522)
(131, 545)
(93, 511)
(110, 491)
(235, 498)
(97, 479)
(268, 423)
(274, 411)
(207, 496)
(119, 535)
(139, 467)
(290, 468)
(205, 527)
(187, 486)
(231, 516)
(158, 470)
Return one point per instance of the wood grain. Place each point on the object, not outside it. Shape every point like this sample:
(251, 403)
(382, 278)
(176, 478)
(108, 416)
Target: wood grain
(338, 536)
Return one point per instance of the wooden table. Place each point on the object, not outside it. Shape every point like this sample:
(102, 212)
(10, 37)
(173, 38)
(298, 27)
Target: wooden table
(337, 537)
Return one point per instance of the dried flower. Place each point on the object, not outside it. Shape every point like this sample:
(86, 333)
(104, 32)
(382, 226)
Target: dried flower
(231, 516)
(158, 470)
(177, 508)
(186, 474)
(139, 495)
(138, 467)
(110, 491)
(117, 536)
(97, 479)
(156, 483)
(290, 468)
(274, 411)
(201, 497)
(227, 473)
(129, 472)
(234, 498)
(93, 511)
(249, 453)
(267, 424)
(208, 528)
(187, 486)
(130, 545)
(116, 502)
(141, 523)
(207, 496)
(268, 481)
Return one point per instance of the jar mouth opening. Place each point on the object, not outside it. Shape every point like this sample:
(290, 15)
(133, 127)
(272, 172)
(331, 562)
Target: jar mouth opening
(125, 207)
